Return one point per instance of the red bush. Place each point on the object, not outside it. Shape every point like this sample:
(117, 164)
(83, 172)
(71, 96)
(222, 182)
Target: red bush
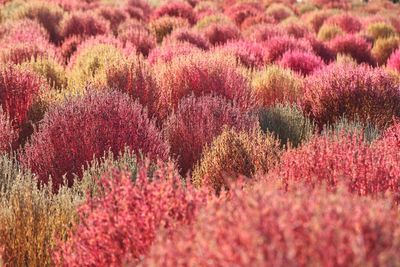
(345, 159)
(168, 51)
(264, 32)
(81, 129)
(189, 36)
(220, 34)
(277, 46)
(321, 49)
(136, 78)
(394, 60)
(176, 9)
(357, 92)
(340, 4)
(354, 46)
(201, 74)
(257, 20)
(8, 136)
(69, 46)
(122, 223)
(83, 24)
(115, 16)
(241, 11)
(301, 62)
(264, 226)
(23, 31)
(296, 30)
(248, 53)
(140, 38)
(18, 90)
(138, 9)
(347, 22)
(196, 122)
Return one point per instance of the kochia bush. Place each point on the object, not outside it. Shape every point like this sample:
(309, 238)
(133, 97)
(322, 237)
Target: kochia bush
(303, 63)
(83, 24)
(176, 9)
(354, 46)
(196, 122)
(80, 129)
(371, 95)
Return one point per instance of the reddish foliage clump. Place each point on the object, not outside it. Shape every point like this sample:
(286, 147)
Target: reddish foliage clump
(138, 37)
(249, 54)
(176, 9)
(277, 46)
(354, 46)
(346, 22)
(394, 60)
(189, 36)
(83, 24)
(341, 160)
(169, 50)
(201, 74)
(301, 62)
(8, 136)
(264, 32)
(220, 34)
(185, 128)
(242, 11)
(122, 223)
(84, 128)
(265, 226)
(357, 92)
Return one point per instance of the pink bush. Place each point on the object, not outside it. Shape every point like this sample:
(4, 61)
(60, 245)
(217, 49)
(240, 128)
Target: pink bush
(241, 11)
(201, 74)
(220, 34)
(189, 36)
(277, 46)
(394, 60)
(301, 62)
(115, 16)
(264, 226)
(196, 122)
(344, 160)
(8, 135)
(340, 4)
(176, 9)
(354, 46)
(168, 51)
(357, 92)
(122, 223)
(347, 22)
(138, 9)
(140, 38)
(69, 46)
(83, 24)
(321, 49)
(264, 32)
(248, 53)
(257, 20)
(84, 128)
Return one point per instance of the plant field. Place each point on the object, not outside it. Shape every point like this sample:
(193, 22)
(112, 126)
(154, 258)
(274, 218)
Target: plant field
(215, 133)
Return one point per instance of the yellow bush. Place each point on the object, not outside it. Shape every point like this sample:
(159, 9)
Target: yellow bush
(383, 48)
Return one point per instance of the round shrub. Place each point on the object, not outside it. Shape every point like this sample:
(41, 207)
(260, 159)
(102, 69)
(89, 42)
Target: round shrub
(176, 9)
(274, 228)
(264, 32)
(250, 54)
(49, 15)
(170, 50)
(82, 128)
(303, 63)
(49, 70)
(321, 49)
(217, 18)
(354, 46)
(144, 208)
(394, 60)
(163, 26)
(232, 154)
(338, 4)
(189, 36)
(257, 20)
(18, 53)
(115, 16)
(138, 9)
(218, 34)
(317, 18)
(196, 122)
(136, 78)
(287, 122)
(329, 32)
(296, 29)
(23, 31)
(239, 12)
(18, 90)
(83, 24)
(347, 22)
(69, 47)
(201, 74)
(277, 46)
(354, 91)
(276, 85)
(344, 159)
(90, 65)
(279, 11)
(383, 48)
(380, 30)
(8, 135)
(139, 37)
